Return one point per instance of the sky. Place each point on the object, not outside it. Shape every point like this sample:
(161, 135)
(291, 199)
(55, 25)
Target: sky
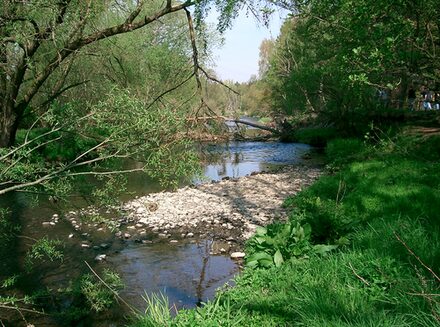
(237, 59)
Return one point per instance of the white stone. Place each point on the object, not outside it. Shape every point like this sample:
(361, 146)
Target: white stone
(238, 255)
(100, 257)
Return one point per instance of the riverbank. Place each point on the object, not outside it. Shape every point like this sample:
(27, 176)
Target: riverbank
(379, 206)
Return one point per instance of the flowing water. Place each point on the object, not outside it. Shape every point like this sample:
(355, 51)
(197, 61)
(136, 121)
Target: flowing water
(185, 272)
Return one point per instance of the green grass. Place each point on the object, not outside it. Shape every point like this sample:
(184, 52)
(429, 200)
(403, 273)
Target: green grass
(383, 199)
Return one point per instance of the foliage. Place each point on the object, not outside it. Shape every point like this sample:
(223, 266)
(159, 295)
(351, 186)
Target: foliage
(7, 229)
(333, 59)
(118, 127)
(42, 250)
(158, 312)
(342, 151)
(276, 243)
(98, 296)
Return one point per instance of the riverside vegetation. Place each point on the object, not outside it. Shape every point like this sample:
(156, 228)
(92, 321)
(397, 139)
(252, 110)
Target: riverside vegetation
(375, 214)
(85, 83)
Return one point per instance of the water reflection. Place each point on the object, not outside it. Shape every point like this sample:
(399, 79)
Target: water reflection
(237, 159)
(186, 273)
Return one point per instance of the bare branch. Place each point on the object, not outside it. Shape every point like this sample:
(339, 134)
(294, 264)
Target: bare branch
(359, 277)
(195, 55)
(218, 81)
(417, 258)
(169, 90)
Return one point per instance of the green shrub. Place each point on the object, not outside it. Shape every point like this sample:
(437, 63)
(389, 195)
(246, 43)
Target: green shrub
(318, 136)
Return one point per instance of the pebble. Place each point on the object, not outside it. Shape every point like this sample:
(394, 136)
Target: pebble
(238, 255)
(71, 235)
(174, 241)
(126, 235)
(85, 245)
(190, 235)
(100, 257)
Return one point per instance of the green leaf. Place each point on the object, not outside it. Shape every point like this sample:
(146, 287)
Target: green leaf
(258, 256)
(266, 263)
(307, 231)
(278, 258)
(261, 231)
(322, 248)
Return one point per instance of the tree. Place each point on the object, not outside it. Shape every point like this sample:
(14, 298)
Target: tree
(331, 57)
(266, 48)
(53, 52)
(37, 40)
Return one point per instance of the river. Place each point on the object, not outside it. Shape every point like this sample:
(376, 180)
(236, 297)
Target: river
(186, 271)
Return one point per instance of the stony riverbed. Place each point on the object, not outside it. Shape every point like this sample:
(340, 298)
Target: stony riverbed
(227, 211)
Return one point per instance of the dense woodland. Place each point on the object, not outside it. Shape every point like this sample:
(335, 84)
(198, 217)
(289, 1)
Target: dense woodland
(86, 83)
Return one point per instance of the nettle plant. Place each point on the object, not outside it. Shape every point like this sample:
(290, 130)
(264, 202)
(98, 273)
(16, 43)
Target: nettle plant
(278, 242)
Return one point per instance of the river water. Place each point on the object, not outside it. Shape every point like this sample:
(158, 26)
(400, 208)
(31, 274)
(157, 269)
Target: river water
(185, 272)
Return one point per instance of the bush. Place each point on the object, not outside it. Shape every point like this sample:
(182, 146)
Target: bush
(317, 137)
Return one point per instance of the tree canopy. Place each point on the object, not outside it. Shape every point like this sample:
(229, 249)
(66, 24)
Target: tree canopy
(331, 57)
(65, 65)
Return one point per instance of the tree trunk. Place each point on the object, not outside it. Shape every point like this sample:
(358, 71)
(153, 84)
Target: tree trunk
(8, 125)
(256, 125)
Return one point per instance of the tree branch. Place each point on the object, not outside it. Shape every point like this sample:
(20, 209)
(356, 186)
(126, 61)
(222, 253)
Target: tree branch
(74, 45)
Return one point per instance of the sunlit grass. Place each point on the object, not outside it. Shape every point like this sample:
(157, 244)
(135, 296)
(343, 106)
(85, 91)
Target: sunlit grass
(386, 202)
